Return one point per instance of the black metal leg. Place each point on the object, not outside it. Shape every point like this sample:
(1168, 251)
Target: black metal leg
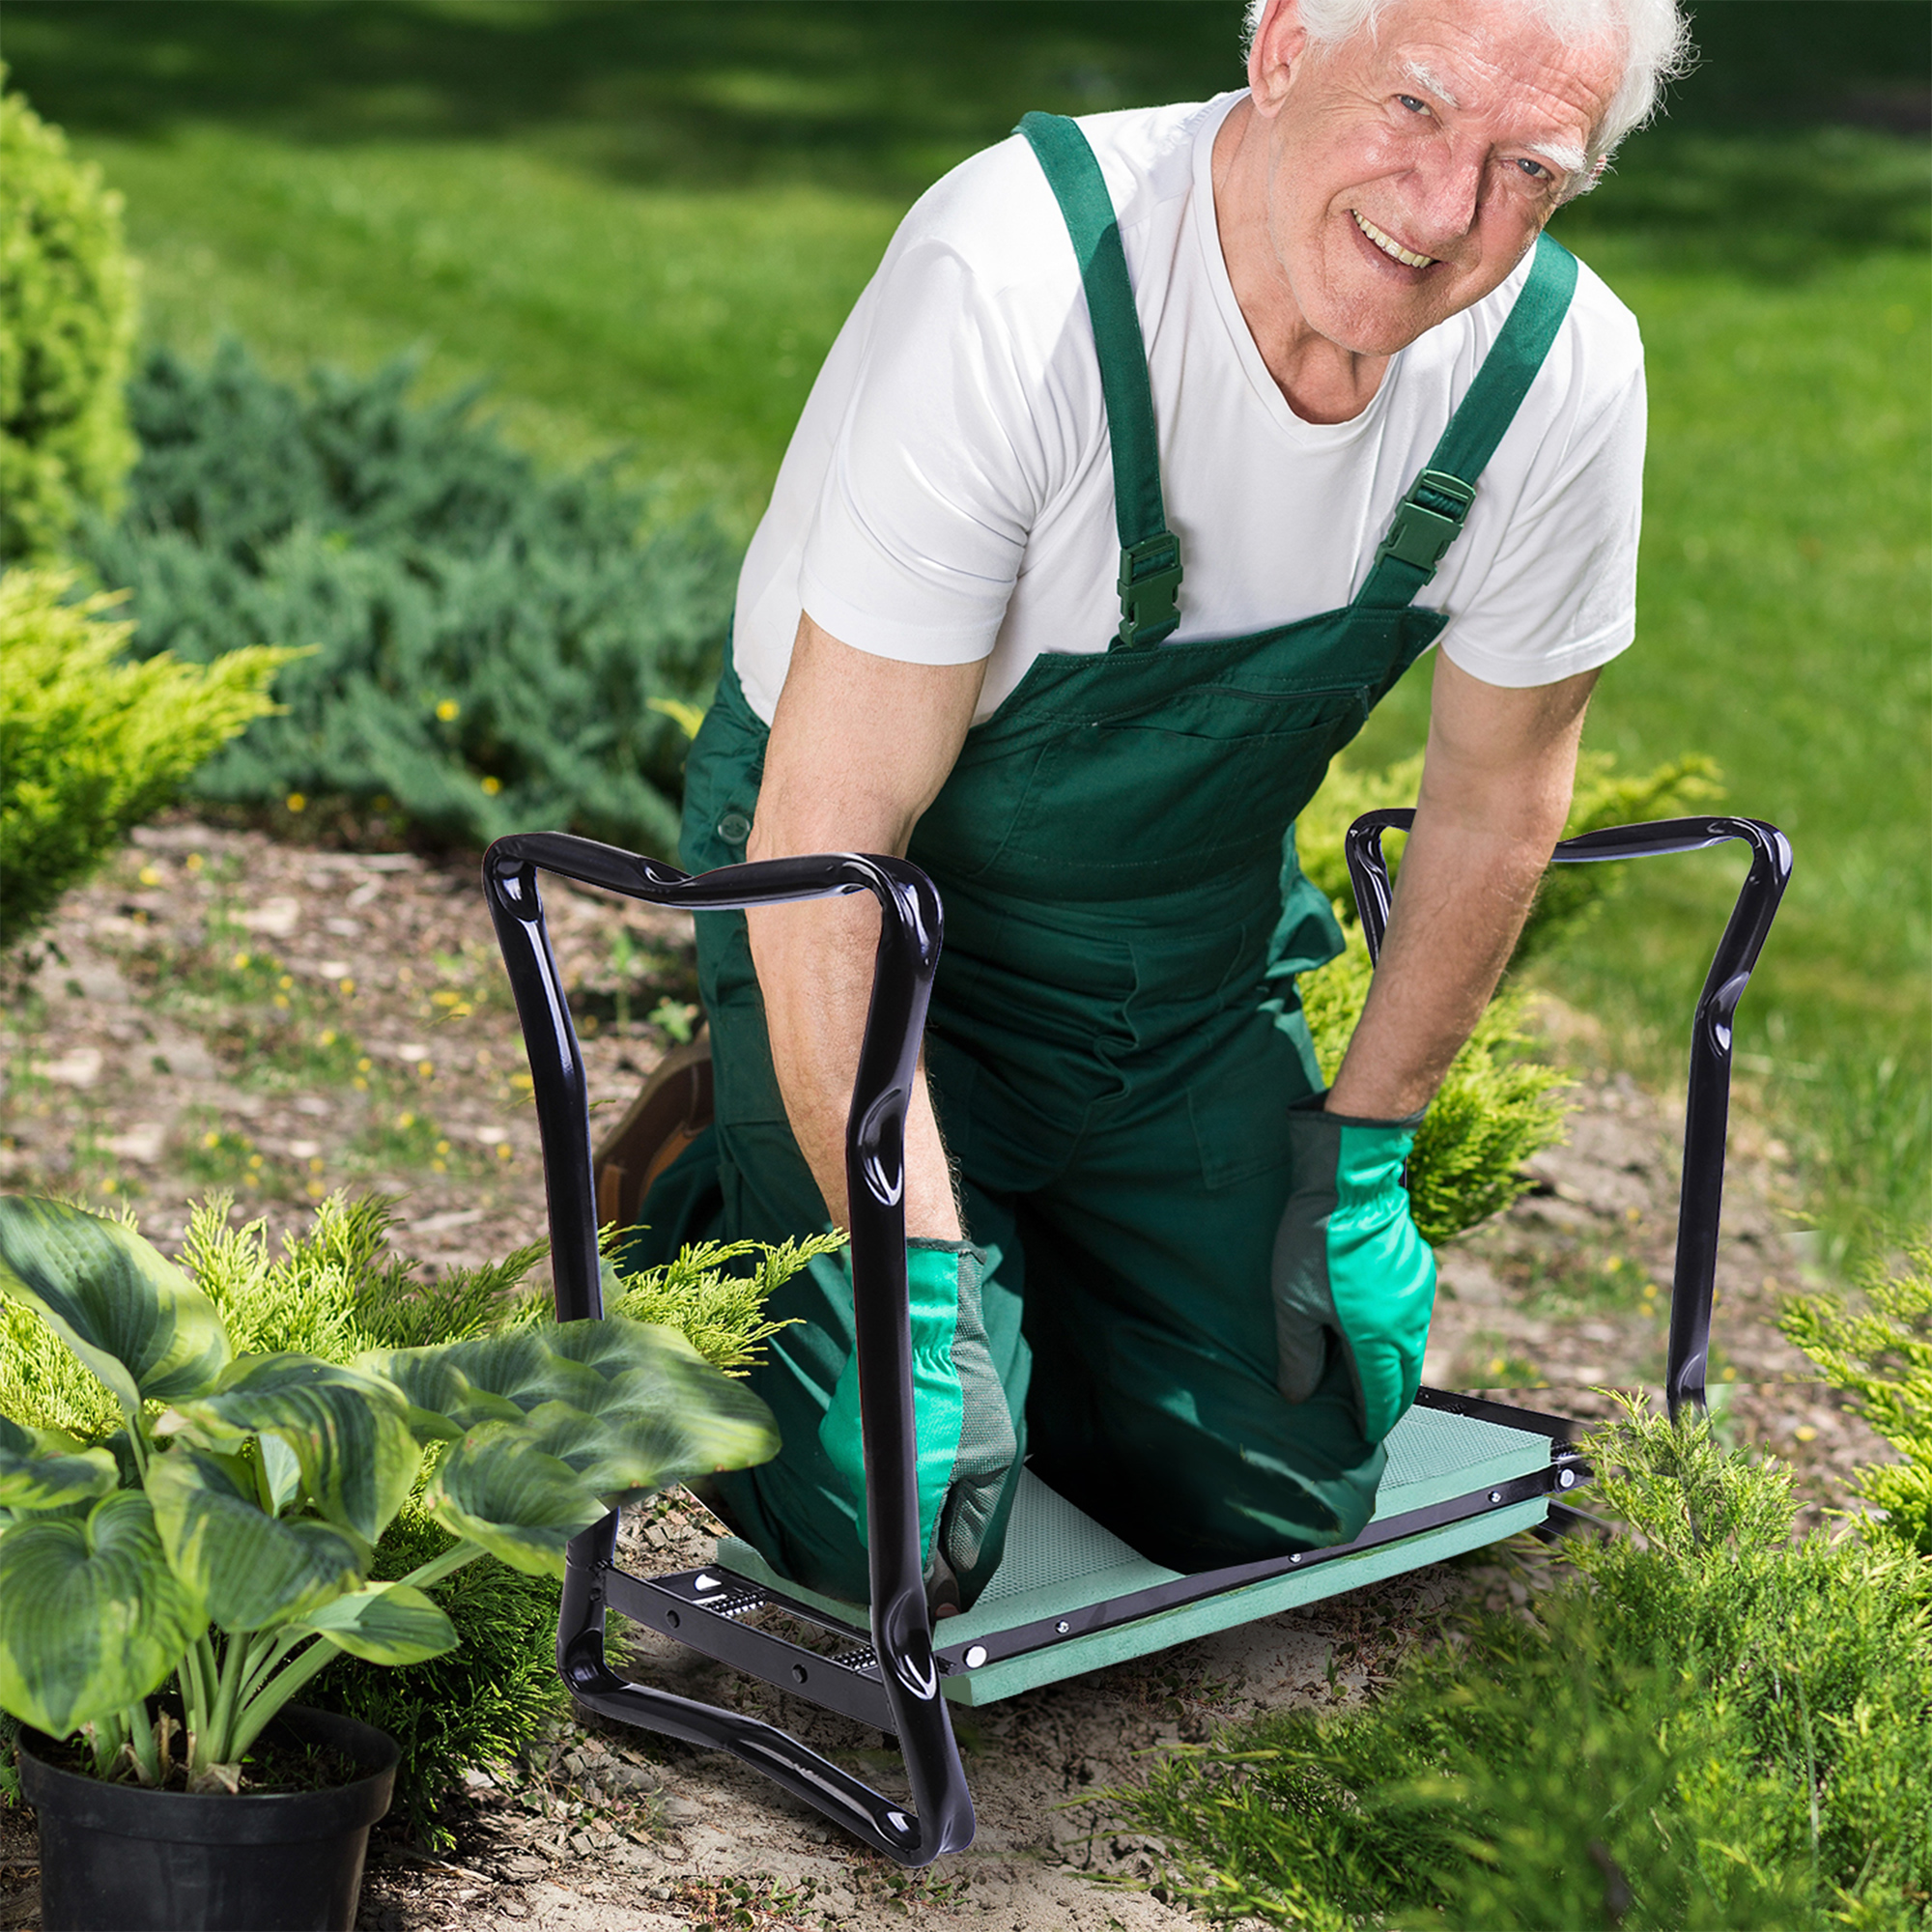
(1707, 1105)
(941, 1816)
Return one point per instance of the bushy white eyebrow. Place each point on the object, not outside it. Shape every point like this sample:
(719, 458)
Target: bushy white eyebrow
(1560, 154)
(1429, 81)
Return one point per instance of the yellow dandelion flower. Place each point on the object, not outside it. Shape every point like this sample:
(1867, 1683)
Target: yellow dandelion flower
(344, 987)
(492, 787)
(295, 802)
(148, 876)
(194, 862)
(447, 710)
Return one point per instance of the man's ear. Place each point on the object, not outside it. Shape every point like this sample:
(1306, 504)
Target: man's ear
(1279, 42)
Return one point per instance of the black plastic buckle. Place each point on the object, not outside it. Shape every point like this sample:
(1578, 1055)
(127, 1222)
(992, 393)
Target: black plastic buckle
(1422, 531)
(1150, 586)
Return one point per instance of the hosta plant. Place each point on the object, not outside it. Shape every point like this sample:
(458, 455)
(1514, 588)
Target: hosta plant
(220, 1538)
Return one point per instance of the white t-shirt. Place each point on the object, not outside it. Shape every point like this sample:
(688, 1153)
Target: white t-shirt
(947, 495)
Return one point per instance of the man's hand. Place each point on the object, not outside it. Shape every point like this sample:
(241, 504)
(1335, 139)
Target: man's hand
(1495, 790)
(1350, 1272)
(860, 747)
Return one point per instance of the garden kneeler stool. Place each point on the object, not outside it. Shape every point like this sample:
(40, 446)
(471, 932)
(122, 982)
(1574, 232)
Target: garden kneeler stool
(1068, 1596)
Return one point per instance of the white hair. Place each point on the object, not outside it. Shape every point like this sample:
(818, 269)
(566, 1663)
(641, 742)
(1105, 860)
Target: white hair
(1656, 37)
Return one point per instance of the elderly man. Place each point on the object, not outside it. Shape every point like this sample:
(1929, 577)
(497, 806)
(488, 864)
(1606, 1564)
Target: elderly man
(1159, 447)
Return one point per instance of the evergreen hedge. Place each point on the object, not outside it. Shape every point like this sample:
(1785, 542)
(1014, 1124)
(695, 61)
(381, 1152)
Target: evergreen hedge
(89, 746)
(66, 330)
(494, 648)
(1708, 1725)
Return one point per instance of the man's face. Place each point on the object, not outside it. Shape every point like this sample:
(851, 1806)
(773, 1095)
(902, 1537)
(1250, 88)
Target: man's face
(1410, 168)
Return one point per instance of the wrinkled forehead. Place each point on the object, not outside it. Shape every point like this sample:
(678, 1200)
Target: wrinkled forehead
(1500, 64)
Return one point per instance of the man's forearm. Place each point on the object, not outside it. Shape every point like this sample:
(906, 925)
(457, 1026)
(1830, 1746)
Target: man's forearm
(1495, 791)
(859, 748)
(1461, 903)
(814, 964)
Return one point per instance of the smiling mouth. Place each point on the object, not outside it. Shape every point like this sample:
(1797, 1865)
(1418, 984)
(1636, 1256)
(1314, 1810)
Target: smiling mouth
(1390, 246)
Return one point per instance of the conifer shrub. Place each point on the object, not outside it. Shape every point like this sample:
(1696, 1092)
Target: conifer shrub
(1708, 1726)
(66, 332)
(90, 746)
(1881, 1355)
(494, 648)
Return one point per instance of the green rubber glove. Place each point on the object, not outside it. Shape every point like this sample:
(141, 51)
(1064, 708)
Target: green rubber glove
(964, 1438)
(1348, 1263)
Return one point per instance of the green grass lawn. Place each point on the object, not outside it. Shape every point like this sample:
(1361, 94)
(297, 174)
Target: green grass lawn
(644, 223)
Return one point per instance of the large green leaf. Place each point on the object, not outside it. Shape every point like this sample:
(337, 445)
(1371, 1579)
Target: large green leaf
(92, 1619)
(44, 1468)
(498, 1488)
(349, 1431)
(649, 1408)
(252, 1570)
(489, 1378)
(443, 1401)
(386, 1623)
(125, 1310)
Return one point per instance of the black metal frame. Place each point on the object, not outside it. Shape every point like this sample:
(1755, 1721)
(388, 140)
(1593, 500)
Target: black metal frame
(1708, 1100)
(892, 1675)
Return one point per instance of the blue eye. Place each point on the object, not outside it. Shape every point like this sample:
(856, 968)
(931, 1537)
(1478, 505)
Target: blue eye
(1535, 170)
(1414, 105)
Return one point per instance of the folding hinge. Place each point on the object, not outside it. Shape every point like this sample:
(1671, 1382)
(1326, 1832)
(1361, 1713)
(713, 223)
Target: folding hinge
(1427, 519)
(1149, 585)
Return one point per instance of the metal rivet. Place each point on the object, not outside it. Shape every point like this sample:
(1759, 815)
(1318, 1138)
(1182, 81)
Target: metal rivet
(798, 1673)
(671, 1619)
(976, 1656)
(733, 826)
(1566, 1479)
(1495, 1495)
(1063, 1626)
(1294, 1560)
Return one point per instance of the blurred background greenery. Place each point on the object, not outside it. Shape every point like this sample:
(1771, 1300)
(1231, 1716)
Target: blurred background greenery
(644, 221)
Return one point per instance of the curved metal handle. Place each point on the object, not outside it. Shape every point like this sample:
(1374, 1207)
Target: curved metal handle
(1707, 1104)
(910, 925)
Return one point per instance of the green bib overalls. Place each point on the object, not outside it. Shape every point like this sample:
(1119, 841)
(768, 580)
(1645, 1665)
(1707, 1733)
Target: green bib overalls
(1115, 1035)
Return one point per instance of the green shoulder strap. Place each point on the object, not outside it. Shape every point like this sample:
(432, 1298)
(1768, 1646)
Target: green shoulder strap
(1429, 518)
(1149, 551)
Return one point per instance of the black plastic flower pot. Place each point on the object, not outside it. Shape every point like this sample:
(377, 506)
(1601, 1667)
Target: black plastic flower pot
(115, 1858)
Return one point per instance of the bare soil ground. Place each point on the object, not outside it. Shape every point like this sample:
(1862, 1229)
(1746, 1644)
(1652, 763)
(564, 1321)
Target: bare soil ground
(222, 1011)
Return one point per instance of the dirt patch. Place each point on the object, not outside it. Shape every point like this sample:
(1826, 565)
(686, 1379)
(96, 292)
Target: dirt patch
(218, 1010)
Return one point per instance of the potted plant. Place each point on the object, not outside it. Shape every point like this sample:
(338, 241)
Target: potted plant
(166, 1592)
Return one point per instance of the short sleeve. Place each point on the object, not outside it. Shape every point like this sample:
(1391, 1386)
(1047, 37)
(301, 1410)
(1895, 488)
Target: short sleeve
(1560, 595)
(936, 475)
